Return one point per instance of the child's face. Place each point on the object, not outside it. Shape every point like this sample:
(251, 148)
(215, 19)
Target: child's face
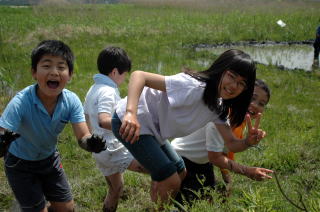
(231, 85)
(52, 75)
(258, 102)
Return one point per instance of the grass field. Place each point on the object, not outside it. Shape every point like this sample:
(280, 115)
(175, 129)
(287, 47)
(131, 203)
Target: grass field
(159, 37)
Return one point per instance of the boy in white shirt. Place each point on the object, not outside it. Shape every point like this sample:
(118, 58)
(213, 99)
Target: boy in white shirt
(101, 99)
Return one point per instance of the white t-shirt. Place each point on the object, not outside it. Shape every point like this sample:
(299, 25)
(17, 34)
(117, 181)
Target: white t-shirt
(102, 97)
(195, 146)
(175, 113)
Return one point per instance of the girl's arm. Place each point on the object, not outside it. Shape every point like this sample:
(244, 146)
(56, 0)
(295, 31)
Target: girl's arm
(130, 127)
(238, 145)
(222, 161)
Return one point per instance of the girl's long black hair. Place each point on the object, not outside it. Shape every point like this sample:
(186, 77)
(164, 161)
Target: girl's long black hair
(242, 64)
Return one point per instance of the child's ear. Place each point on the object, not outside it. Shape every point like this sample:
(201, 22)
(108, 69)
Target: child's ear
(114, 71)
(70, 76)
(34, 74)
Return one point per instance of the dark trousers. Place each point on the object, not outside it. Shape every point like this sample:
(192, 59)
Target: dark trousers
(199, 176)
(316, 46)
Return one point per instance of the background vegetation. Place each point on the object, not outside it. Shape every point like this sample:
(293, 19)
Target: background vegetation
(160, 37)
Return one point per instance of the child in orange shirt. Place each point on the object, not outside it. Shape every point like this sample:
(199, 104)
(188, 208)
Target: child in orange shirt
(260, 99)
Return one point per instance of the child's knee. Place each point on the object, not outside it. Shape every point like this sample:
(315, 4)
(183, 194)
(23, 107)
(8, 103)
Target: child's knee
(116, 189)
(173, 182)
(183, 174)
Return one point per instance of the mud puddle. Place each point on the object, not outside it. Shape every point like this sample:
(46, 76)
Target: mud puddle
(284, 56)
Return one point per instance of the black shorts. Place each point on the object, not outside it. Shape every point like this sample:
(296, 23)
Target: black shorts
(198, 176)
(34, 182)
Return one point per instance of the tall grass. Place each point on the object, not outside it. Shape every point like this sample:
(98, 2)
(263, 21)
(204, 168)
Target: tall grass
(159, 37)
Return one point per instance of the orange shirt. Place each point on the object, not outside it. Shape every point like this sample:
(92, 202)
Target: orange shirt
(238, 132)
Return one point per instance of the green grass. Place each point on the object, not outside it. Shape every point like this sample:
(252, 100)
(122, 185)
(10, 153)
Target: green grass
(159, 38)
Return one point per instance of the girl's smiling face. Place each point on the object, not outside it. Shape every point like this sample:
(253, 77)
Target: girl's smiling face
(258, 102)
(231, 85)
(52, 75)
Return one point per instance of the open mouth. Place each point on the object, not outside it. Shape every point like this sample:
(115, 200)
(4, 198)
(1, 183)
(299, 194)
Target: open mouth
(53, 84)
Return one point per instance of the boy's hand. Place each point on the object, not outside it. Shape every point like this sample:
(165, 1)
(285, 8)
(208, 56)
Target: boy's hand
(6, 137)
(254, 133)
(93, 143)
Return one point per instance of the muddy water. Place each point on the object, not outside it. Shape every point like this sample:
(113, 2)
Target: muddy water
(294, 56)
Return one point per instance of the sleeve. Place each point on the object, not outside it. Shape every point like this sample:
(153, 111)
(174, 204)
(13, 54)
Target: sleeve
(183, 90)
(214, 141)
(106, 102)
(12, 115)
(77, 113)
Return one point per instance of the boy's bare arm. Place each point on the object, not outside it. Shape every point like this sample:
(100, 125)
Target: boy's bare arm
(86, 141)
(105, 120)
(88, 122)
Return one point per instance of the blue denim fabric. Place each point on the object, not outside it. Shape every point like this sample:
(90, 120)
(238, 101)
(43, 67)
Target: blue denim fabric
(160, 160)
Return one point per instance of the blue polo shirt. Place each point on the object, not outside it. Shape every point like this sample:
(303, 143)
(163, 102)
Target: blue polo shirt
(26, 115)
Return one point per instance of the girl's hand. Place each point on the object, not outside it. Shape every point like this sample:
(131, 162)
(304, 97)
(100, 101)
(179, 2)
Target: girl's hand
(254, 133)
(130, 128)
(258, 174)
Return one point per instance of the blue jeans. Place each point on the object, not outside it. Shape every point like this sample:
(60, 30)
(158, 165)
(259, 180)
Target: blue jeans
(161, 161)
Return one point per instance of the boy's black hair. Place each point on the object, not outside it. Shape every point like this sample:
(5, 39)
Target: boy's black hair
(113, 57)
(55, 48)
(238, 62)
(261, 84)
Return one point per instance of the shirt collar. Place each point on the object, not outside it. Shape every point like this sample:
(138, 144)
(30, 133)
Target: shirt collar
(103, 79)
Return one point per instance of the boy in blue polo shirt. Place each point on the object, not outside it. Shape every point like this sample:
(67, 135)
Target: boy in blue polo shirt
(38, 114)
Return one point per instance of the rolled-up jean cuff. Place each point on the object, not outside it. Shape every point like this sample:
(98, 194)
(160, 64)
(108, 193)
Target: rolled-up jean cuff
(148, 152)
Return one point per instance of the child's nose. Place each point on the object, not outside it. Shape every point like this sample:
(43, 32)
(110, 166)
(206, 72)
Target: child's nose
(54, 71)
(254, 103)
(234, 85)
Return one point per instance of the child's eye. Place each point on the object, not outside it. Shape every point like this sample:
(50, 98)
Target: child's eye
(261, 104)
(45, 66)
(61, 68)
(243, 84)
